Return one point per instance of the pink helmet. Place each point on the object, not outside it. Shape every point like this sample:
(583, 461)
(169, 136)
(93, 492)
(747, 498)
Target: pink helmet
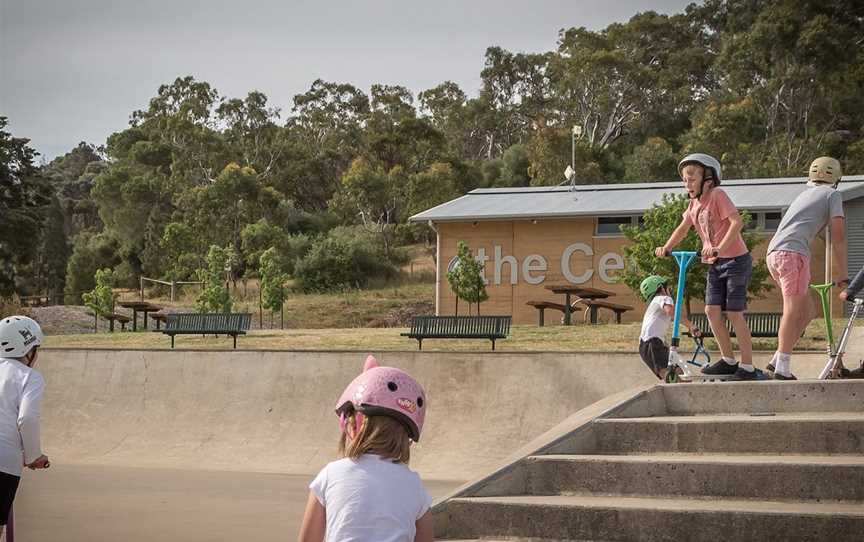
(384, 391)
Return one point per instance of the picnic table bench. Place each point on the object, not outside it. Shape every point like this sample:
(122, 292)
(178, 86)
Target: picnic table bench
(541, 307)
(591, 306)
(191, 323)
(458, 327)
(159, 317)
(114, 317)
(617, 308)
(761, 324)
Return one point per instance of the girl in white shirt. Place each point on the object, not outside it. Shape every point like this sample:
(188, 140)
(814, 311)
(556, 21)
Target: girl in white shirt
(370, 495)
(20, 398)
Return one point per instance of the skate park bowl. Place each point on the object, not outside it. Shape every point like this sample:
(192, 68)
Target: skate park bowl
(200, 445)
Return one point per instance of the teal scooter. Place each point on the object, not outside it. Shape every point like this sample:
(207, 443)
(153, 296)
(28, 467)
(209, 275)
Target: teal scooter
(679, 369)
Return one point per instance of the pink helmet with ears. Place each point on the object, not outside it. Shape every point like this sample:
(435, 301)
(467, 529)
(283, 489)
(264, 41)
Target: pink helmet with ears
(384, 391)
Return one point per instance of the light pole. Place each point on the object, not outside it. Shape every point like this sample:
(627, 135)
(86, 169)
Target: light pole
(577, 131)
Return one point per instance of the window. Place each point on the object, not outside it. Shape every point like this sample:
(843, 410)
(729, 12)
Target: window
(772, 220)
(611, 225)
(766, 221)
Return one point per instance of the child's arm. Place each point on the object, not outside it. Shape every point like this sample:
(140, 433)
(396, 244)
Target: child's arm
(854, 287)
(314, 521)
(676, 237)
(670, 311)
(838, 248)
(736, 224)
(424, 528)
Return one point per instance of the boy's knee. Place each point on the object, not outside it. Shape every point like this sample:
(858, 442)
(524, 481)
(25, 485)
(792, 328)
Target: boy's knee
(712, 310)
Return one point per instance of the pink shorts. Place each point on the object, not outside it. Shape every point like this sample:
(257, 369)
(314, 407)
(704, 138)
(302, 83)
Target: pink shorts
(791, 271)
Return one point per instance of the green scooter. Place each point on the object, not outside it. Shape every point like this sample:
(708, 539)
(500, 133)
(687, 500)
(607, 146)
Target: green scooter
(834, 367)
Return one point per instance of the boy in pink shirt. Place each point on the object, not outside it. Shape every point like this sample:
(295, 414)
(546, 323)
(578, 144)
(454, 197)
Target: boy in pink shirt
(719, 226)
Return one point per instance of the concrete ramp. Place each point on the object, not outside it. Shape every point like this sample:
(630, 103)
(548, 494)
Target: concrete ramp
(273, 411)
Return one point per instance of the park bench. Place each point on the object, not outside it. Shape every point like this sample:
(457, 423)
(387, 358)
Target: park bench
(458, 327)
(761, 324)
(191, 323)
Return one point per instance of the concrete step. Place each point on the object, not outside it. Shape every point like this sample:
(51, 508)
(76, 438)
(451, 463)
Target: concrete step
(795, 433)
(807, 478)
(764, 396)
(593, 517)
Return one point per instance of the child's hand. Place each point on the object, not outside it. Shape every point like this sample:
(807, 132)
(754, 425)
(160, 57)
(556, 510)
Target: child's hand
(660, 252)
(710, 252)
(41, 462)
(695, 332)
(844, 294)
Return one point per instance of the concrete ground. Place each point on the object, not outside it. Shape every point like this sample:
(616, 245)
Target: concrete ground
(77, 503)
(195, 445)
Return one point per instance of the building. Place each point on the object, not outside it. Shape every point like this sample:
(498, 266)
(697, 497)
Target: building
(536, 236)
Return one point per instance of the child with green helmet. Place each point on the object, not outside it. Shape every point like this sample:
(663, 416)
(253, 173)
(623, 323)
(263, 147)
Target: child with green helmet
(656, 323)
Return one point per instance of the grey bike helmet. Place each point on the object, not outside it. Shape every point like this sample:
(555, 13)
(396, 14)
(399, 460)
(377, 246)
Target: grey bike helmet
(712, 168)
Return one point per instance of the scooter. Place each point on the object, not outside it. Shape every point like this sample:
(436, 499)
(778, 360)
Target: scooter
(681, 370)
(834, 367)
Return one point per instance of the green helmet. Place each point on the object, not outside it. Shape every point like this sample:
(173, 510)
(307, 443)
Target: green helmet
(649, 286)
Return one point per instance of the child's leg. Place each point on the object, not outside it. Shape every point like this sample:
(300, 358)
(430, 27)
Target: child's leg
(791, 271)
(737, 273)
(715, 300)
(718, 328)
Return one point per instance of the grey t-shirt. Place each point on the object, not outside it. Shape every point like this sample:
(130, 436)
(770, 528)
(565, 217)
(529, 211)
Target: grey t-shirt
(809, 213)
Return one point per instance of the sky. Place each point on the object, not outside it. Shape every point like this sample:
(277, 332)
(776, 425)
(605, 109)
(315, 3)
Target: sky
(75, 70)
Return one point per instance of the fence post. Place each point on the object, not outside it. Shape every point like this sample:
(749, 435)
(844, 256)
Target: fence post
(142, 287)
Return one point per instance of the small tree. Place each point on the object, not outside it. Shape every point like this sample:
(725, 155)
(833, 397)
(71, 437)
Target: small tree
(466, 279)
(273, 280)
(214, 297)
(659, 222)
(101, 299)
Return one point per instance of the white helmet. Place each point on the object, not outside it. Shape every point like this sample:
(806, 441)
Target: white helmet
(708, 162)
(19, 335)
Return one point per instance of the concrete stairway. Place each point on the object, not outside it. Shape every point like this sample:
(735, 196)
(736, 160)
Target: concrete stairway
(715, 461)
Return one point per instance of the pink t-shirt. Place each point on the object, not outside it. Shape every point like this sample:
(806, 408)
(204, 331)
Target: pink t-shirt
(710, 216)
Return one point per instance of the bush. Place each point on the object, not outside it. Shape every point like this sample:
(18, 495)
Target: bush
(346, 258)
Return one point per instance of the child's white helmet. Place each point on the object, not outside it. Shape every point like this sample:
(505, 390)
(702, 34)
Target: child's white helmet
(19, 335)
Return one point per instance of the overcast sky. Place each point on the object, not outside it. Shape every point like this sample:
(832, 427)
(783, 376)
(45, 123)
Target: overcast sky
(74, 70)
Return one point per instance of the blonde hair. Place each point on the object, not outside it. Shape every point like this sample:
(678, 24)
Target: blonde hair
(380, 435)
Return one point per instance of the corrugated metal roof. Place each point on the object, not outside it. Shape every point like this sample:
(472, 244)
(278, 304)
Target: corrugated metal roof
(613, 199)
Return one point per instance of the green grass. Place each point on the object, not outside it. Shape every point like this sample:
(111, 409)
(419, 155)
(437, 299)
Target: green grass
(604, 337)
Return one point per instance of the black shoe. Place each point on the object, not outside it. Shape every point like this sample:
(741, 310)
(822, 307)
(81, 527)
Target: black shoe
(720, 368)
(778, 376)
(770, 368)
(741, 374)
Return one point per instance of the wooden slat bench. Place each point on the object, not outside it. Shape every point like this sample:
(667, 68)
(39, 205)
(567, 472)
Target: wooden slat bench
(541, 307)
(458, 327)
(761, 324)
(192, 323)
(594, 304)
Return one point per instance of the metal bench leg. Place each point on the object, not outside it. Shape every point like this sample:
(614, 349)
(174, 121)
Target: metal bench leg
(593, 314)
(542, 317)
(172, 341)
(493, 344)
(617, 317)
(419, 344)
(235, 342)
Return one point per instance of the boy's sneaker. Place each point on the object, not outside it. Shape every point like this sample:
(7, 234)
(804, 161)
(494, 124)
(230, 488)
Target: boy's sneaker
(775, 376)
(741, 374)
(720, 367)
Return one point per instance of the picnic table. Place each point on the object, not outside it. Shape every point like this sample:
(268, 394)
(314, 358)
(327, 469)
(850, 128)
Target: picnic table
(584, 294)
(142, 307)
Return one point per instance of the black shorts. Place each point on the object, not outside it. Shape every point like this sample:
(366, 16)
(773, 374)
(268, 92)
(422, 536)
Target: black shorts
(655, 354)
(726, 283)
(8, 487)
